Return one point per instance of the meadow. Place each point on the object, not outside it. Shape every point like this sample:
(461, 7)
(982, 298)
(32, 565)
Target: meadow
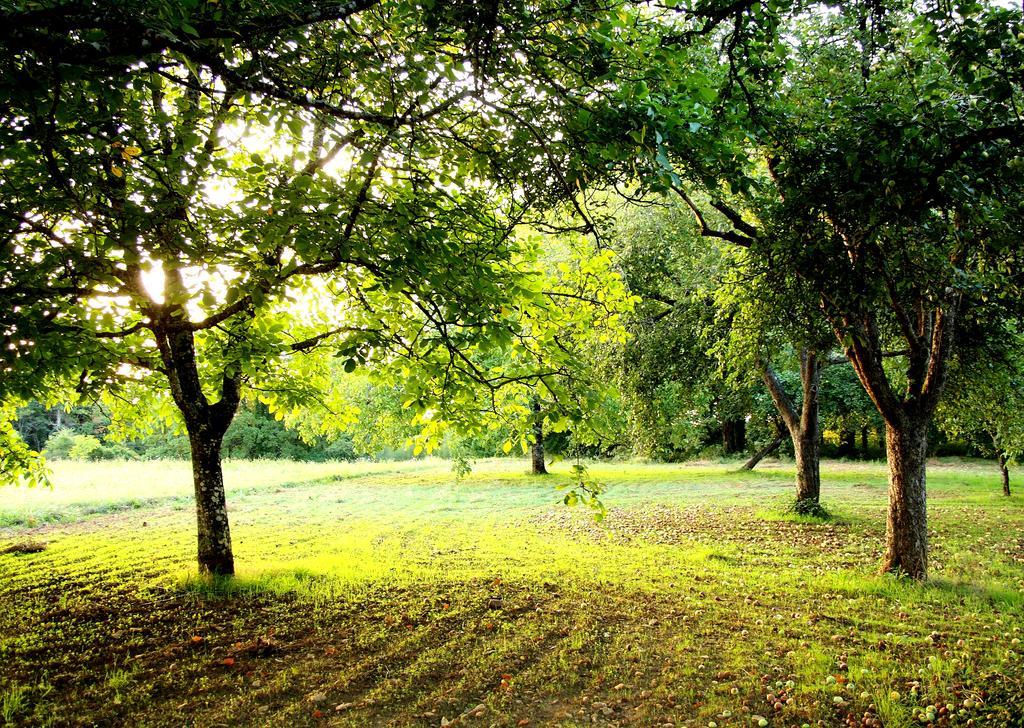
(394, 594)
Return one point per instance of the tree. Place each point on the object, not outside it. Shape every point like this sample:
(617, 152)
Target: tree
(804, 428)
(34, 425)
(899, 210)
(773, 325)
(846, 408)
(735, 330)
(537, 466)
(867, 153)
(900, 251)
(678, 394)
(553, 357)
(182, 182)
(23, 463)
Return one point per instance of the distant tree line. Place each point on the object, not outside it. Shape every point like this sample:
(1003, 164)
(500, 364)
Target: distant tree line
(81, 433)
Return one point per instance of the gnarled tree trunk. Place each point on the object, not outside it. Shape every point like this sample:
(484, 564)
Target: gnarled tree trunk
(906, 539)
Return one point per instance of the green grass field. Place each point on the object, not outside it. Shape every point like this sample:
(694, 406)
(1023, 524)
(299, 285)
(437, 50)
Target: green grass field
(391, 594)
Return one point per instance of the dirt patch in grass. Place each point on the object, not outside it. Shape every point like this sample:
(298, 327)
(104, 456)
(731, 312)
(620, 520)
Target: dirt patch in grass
(23, 547)
(739, 527)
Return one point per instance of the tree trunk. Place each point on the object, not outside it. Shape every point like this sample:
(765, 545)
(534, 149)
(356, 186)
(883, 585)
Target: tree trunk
(765, 451)
(537, 450)
(734, 436)
(214, 533)
(206, 424)
(808, 472)
(908, 415)
(864, 442)
(848, 443)
(1005, 472)
(803, 430)
(906, 539)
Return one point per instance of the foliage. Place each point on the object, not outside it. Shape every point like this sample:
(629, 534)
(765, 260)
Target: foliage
(256, 434)
(546, 370)
(984, 404)
(23, 464)
(678, 394)
(181, 187)
(66, 444)
(845, 406)
(583, 489)
(84, 447)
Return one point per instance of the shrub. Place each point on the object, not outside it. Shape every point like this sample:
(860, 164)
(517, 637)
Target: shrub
(168, 447)
(59, 444)
(68, 445)
(85, 447)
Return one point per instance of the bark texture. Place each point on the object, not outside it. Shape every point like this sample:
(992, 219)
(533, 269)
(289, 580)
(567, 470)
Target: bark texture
(906, 540)
(214, 532)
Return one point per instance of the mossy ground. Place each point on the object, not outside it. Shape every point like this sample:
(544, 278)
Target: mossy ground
(394, 595)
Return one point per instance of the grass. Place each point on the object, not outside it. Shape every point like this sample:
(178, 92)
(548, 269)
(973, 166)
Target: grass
(391, 594)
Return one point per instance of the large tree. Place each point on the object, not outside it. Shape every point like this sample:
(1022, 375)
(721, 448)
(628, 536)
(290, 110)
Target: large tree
(867, 153)
(901, 208)
(879, 170)
(201, 202)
